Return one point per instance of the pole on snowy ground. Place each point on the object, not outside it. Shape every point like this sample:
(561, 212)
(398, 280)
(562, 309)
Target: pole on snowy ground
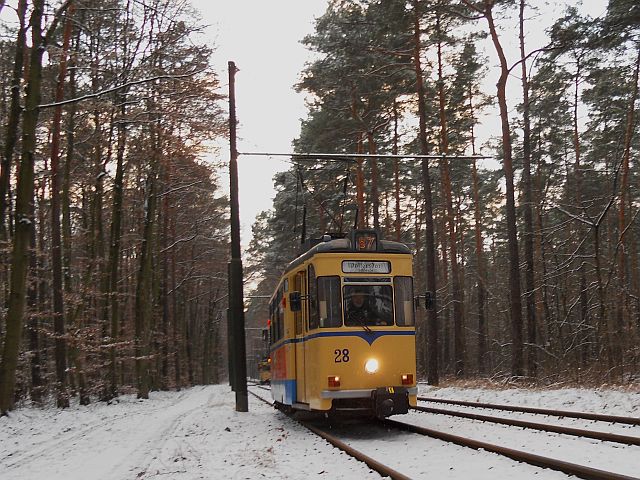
(238, 366)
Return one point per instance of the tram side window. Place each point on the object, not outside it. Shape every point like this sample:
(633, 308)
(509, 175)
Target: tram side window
(403, 287)
(277, 317)
(297, 286)
(280, 314)
(313, 299)
(329, 303)
(274, 320)
(272, 323)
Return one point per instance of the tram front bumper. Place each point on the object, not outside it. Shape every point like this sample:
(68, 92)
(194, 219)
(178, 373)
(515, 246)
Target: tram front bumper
(364, 392)
(385, 401)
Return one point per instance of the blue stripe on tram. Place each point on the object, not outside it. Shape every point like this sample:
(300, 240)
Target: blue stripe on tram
(368, 337)
(284, 391)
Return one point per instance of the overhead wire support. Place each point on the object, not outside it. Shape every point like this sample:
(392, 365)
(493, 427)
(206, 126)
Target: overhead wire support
(356, 156)
(237, 346)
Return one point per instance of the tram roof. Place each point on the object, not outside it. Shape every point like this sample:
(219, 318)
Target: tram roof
(343, 245)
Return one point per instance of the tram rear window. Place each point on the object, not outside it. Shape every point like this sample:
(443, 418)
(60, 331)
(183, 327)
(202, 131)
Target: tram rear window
(329, 307)
(404, 301)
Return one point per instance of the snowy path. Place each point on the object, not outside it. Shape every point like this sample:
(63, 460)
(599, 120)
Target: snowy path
(174, 435)
(196, 434)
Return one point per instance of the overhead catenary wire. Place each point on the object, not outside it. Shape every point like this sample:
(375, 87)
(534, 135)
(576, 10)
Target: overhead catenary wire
(357, 156)
(315, 199)
(350, 158)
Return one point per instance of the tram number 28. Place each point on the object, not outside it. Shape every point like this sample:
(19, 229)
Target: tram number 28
(342, 356)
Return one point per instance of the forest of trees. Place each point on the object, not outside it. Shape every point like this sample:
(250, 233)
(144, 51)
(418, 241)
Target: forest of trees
(114, 236)
(113, 229)
(533, 255)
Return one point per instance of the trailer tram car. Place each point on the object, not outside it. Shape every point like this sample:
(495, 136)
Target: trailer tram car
(264, 370)
(343, 328)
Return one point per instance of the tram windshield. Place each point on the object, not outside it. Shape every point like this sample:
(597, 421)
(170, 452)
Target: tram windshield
(368, 305)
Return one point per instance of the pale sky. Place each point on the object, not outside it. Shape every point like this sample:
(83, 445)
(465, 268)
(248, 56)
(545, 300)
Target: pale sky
(263, 38)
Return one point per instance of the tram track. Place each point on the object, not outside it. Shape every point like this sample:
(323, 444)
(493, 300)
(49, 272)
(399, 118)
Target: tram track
(578, 432)
(599, 417)
(381, 468)
(581, 471)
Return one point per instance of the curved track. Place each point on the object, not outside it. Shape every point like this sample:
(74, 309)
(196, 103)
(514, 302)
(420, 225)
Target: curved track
(569, 468)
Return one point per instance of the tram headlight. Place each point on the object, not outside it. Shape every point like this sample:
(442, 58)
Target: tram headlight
(371, 366)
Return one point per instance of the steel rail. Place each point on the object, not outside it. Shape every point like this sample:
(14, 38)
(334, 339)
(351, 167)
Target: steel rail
(381, 468)
(569, 468)
(578, 432)
(261, 399)
(539, 411)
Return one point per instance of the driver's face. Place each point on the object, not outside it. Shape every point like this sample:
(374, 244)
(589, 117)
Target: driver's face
(357, 299)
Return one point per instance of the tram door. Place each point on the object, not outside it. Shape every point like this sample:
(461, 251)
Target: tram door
(300, 285)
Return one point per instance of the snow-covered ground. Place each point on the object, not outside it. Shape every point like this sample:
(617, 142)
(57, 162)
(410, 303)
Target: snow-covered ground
(196, 434)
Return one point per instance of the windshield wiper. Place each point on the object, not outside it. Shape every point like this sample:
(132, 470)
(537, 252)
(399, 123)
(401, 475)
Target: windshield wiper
(365, 326)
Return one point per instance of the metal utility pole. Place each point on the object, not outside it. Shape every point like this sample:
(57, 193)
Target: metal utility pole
(237, 348)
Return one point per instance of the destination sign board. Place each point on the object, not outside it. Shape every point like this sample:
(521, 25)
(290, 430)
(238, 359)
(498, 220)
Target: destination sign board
(366, 266)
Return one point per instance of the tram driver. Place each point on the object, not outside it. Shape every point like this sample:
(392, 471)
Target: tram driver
(360, 311)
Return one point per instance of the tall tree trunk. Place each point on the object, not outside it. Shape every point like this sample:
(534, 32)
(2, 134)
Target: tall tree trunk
(482, 325)
(446, 298)
(458, 306)
(144, 289)
(359, 173)
(528, 210)
(56, 239)
(13, 121)
(166, 173)
(432, 314)
(512, 232)
(215, 346)
(419, 283)
(96, 224)
(543, 293)
(360, 183)
(66, 176)
(396, 175)
(34, 321)
(23, 214)
(208, 353)
(603, 328)
(584, 300)
(114, 247)
(375, 200)
(623, 295)
(115, 231)
(174, 309)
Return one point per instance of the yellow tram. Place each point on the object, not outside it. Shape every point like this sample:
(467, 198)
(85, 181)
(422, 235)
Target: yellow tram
(343, 328)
